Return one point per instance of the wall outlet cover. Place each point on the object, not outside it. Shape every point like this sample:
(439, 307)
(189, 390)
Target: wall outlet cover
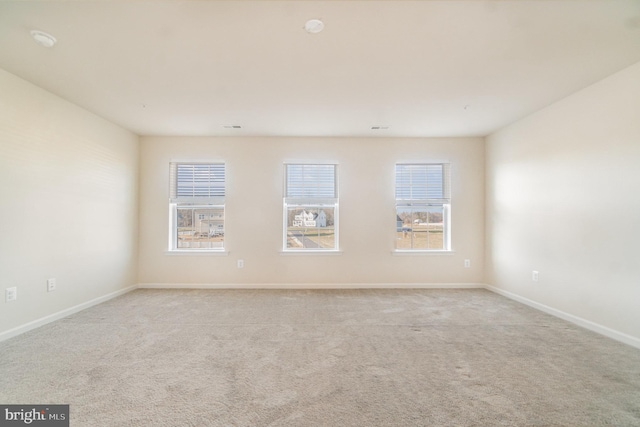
(11, 294)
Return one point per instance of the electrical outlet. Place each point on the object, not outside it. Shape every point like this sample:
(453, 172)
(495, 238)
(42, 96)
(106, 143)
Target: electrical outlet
(11, 294)
(467, 263)
(534, 276)
(240, 263)
(51, 285)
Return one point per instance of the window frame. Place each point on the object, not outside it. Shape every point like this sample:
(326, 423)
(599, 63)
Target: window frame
(310, 203)
(215, 200)
(424, 203)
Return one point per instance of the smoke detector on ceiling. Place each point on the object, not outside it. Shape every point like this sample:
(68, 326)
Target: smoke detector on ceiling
(314, 26)
(43, 39)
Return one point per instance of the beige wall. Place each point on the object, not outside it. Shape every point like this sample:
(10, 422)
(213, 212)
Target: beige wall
(367, 213)
(563, 198)
(68, 190)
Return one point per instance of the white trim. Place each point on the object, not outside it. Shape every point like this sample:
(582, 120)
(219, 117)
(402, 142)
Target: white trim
(587, 324)
(400, 252)
(306, 161)
(311, 285)
(311, 252)
(196, 252)
(62, 314)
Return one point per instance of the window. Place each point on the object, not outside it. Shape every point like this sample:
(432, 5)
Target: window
(196, 205)
(423, 207)
(310, 207)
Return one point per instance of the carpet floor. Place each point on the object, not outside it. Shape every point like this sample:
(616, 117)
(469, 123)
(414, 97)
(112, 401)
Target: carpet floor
(376, 357)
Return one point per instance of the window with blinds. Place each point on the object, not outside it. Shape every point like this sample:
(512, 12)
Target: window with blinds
(191, 181)
(423, 204)
(310, 207)
(310, 181)
(196, 199)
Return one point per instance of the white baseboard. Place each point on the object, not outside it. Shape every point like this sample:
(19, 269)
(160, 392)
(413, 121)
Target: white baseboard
(61, 314)
(587, 324)
(603, 330)
(311, 285)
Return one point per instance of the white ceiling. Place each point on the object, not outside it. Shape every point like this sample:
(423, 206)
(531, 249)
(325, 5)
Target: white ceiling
(192, 67)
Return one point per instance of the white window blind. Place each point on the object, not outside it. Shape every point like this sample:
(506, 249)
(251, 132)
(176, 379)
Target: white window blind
(305, 181)
(197, 182)
(423, 183)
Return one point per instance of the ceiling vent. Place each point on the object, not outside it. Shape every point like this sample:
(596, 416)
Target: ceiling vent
(232, 127)
(380, 127)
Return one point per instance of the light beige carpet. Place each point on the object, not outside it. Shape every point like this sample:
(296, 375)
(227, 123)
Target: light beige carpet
(322, 358)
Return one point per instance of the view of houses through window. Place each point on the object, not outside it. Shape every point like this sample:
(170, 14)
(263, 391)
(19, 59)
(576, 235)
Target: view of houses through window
(311, 227)
(310, 207)
(196, 203)
(200, 227)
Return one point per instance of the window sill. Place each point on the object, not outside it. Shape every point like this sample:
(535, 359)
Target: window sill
(197, 253)
(420, 253)
(311, 252)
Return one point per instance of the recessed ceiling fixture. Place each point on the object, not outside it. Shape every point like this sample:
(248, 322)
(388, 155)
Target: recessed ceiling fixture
(43, 39)
(314, 26)
(232, 127)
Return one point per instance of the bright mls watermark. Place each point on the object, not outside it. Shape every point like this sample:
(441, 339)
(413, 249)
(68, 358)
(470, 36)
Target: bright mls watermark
(34, 415)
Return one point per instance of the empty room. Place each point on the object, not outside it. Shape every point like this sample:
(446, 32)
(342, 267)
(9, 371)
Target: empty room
(320, 213)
